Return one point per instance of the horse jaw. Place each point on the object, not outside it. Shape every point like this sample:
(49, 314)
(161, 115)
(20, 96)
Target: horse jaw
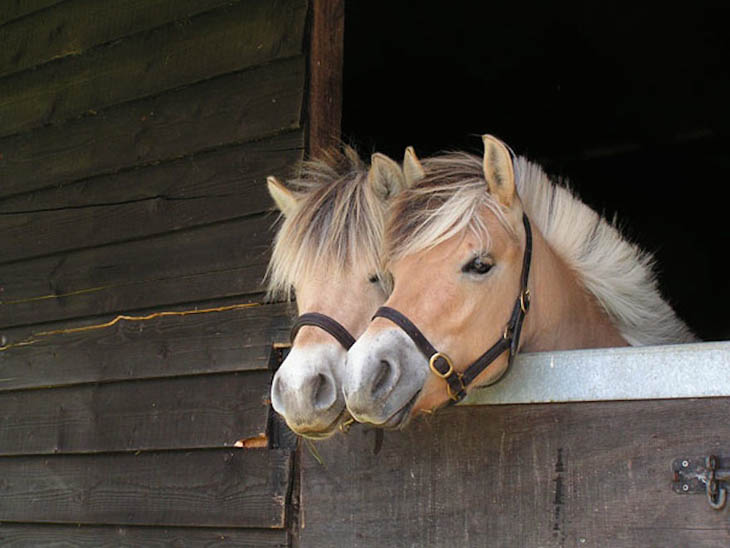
(384, 376)
(305, 389)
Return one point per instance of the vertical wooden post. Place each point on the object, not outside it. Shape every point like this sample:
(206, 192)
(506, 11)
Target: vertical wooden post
(325, 73)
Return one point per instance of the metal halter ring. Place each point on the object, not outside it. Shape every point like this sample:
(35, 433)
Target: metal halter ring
(436, 372)
(525, 300)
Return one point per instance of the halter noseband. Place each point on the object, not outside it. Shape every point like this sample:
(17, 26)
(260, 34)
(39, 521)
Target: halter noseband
(326, 323)
(441, 365)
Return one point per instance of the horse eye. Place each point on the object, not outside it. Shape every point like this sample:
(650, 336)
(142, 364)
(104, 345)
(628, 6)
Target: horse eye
(478, 265)
(374, 278)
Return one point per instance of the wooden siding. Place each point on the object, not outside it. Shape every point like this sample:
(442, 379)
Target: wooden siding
(578, 474)
(135, 343)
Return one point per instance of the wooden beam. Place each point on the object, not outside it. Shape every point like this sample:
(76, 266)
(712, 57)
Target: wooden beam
(233, 108)
(209, 187)
(193, 412)
(15, 9)
(229, 39)
(211, 488)
(325, 73)
(213, 341)
(571, 474)
(94, 536)
(72, 27)
(210, 262)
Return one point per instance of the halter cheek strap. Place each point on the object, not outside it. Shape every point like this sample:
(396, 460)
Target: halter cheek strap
(326, 323)
(441, 365)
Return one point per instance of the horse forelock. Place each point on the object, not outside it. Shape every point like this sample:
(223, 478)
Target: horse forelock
(339, 220)
(448, 201)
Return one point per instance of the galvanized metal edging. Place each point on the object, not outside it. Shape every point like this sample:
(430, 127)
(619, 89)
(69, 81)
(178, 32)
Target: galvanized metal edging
(698, 370)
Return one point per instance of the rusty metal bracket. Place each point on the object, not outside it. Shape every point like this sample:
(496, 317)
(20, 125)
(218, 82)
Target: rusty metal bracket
(703, 475)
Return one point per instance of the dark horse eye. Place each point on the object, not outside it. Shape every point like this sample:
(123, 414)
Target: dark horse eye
(478, 265)
(374, 279)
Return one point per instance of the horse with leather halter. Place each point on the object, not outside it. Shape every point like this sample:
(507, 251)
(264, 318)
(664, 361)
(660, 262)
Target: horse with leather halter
(327, 251)
(473, 244)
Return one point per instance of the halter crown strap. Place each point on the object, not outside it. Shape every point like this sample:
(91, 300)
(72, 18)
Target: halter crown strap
(441, 365)
(326, 323)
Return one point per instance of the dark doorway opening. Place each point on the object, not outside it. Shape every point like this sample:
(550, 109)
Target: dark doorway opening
(629, 104)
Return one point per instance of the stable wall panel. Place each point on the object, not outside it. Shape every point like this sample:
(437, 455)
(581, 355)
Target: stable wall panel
(211, 488)
(73, 26)
(210, 187)
(215, 261)
(215, 338)
(232, 108)
(225, 40)
(579, 474)
(193, 412)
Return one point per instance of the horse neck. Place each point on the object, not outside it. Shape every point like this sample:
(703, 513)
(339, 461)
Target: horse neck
(564, 315)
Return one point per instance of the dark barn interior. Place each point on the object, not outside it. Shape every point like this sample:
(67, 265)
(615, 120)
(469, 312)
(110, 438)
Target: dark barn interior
(628, 104)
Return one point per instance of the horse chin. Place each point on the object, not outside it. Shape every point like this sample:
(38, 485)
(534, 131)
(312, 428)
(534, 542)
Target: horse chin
(323, 433)
(400, 419)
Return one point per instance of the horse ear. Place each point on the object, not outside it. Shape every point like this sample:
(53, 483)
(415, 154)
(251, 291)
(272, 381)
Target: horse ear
(498, 170)
(412, 168)
(283, 197)
(385, 176)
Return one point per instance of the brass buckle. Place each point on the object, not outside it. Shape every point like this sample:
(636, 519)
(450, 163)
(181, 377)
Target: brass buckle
(436, 371)
(446, 375)
(462, 388)
(525, 300)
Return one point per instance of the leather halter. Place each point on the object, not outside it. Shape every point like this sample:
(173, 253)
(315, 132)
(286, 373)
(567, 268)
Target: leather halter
(326, 323)
(441, 365)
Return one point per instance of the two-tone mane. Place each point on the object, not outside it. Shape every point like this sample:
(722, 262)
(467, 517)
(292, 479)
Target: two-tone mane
(615, 271)
(339, 219)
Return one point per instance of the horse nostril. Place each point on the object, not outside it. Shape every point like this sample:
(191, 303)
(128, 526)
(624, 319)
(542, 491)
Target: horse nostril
(383, 378)
(323, 391)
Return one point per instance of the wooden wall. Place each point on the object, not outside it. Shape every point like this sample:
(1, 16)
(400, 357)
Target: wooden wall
(135, 138)
(551, 475)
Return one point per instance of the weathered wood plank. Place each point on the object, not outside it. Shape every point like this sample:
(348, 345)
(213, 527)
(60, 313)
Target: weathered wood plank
(74, 26)
(212, 488)
(202, 189)
(14, 535)
(14, 9)
(219, 339)
(232, 108)
(225, 40)
(583, 474)
(326, 58)
(194, 412)
(221, 260)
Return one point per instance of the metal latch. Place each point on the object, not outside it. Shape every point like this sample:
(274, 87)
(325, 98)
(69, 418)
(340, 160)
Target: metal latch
(706, 475)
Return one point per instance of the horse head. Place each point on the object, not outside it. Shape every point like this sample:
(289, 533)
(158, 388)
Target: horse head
(328, 252)
(455, 244)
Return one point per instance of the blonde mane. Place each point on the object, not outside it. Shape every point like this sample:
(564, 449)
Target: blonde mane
(339, 220)
(615, 271)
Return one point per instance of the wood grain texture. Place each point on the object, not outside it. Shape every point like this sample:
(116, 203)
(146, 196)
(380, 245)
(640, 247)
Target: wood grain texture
(194, 412)
(14, 535)
(210, 187)
(217, 42)
(221, 260)
(326, 59)
(190, 344)
(212, 488)
(14, 9)
(532, 475)
(74, 26)
(232, 108)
